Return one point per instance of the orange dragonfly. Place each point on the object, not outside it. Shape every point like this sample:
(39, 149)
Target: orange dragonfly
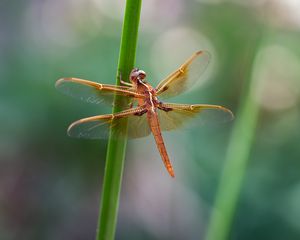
(146, 114)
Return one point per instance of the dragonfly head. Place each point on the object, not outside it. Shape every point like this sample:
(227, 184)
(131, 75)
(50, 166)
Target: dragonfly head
(137, 75)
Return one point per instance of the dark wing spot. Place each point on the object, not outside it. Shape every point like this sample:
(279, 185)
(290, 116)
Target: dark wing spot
(141, 112)
(165, 88)
(166, 109)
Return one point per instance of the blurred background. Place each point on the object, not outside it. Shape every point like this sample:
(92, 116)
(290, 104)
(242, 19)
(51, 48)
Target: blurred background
(50, 184)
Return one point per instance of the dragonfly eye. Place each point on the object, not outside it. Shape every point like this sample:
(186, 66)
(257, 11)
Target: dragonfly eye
(137, 74)
(141, 74)
(134, 74)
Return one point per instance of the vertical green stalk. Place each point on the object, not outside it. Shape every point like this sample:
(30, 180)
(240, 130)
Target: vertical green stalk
(117, 146)
(235, 163)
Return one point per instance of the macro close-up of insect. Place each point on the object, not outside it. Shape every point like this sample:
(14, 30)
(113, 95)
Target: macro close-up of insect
(145, 113)
(129, 119)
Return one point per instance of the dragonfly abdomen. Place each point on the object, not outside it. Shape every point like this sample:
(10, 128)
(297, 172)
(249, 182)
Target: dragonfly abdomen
(155, 129)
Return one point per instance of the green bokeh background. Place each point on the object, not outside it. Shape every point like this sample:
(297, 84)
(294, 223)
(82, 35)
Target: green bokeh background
(50, 184)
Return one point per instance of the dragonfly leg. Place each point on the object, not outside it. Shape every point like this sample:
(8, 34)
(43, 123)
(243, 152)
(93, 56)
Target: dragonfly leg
(123, 82)
(130, 105)
(126, 83)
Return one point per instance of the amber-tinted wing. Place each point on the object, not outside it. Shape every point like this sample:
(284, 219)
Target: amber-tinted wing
(98, 127)
(185, 76)
(180, 115)
(93, 92)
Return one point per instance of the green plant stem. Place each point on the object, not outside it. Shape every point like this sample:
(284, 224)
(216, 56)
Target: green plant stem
(117, 146)
(235, 164)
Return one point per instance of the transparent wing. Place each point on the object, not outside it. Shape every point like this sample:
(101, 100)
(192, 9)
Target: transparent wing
(93, 92)
(175, 116)
(185, 76)
(98, 127)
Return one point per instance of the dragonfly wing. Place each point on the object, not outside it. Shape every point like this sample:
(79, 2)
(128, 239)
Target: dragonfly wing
(185, 76)
(174, 116)
(93, 92)
(98, 127)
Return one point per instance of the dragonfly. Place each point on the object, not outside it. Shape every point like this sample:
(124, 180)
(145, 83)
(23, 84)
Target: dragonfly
(146, 114)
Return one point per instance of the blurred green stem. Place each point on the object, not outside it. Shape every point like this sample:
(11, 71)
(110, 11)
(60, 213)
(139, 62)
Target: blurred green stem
(235, 163)
(117, 146)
